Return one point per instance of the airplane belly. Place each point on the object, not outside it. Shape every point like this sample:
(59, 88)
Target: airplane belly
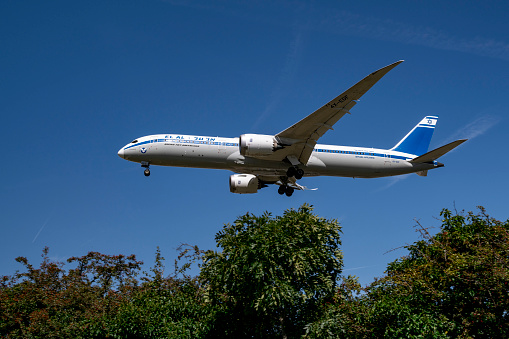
(344, 165)
(199, 156)
(358, 166)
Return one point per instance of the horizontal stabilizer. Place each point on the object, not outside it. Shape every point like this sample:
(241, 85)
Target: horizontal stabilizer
(437, 153)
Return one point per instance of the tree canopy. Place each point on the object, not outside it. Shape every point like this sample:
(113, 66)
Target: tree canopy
(453, 284)
(273, 277)
(273, 274)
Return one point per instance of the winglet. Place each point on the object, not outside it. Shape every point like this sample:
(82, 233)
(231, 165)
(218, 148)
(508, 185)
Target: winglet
(438, 152)
(360, 88)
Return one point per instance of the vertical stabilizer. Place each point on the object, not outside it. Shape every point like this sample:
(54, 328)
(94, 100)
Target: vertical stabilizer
(418, 139)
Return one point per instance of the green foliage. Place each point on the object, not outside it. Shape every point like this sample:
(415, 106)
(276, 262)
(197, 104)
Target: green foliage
(274, 277)
(102, 298)
(344, 317)
(175, 311)
(171, 307)
(453, 284)
(49, 302)
(273, 274)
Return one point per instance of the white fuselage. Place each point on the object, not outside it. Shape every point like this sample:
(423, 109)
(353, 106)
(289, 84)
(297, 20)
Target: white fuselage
(223, 153)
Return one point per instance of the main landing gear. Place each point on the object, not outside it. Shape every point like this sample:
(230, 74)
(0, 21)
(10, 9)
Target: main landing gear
(296, 172)
(147, 169)
(284, 189)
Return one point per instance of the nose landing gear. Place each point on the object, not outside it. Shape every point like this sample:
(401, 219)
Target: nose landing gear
(147, 169)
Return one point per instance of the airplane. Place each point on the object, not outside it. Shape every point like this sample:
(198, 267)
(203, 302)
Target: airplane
(260, 160)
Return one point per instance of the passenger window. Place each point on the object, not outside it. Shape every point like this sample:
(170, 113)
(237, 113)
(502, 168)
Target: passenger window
(134, 141)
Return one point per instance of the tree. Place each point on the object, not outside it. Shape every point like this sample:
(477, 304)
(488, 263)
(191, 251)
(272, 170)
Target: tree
(166, 307)
(453, 284)
(50, 302)
(273, 277)
(345, 316)
(274, 274)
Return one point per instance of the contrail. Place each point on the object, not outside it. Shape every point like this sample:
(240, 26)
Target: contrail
(351, 24)
(348, 23)
(475, 128)
(40, 230)
(393, 181)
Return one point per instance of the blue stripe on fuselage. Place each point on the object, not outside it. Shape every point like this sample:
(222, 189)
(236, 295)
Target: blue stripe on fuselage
(231, 144)
(372, 154)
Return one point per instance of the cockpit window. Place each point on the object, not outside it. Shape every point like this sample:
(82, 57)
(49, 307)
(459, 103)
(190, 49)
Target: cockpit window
(134, 141)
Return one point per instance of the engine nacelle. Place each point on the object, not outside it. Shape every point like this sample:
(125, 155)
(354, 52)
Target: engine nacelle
(243, 183)
(252, 145)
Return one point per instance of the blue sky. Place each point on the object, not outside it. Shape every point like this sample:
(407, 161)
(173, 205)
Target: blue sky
(82, 79)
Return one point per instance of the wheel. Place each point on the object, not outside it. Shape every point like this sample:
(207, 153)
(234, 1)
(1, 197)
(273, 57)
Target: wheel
(281, 190)
(146, 172)
(291, 172)
(289, 191)
(299, 174)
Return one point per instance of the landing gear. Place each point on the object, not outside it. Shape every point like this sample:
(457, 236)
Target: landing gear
(289, 191)
(283, 189)
(299, 174)
(291, 172)
(296, 172)
(147, 169)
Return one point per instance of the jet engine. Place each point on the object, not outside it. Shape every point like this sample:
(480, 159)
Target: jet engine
(243, 183)
(253, 145)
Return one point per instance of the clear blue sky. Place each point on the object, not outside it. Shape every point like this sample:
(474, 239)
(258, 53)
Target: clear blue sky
(81, 79)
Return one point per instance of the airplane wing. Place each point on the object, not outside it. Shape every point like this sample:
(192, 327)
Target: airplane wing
(301, 138)
(438, 152)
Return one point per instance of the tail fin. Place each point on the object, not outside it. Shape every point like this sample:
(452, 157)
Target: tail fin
(418, 139)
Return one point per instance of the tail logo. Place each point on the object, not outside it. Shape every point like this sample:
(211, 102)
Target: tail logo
(429, 122)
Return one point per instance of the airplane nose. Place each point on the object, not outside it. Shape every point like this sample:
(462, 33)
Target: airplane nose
(121, 153)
